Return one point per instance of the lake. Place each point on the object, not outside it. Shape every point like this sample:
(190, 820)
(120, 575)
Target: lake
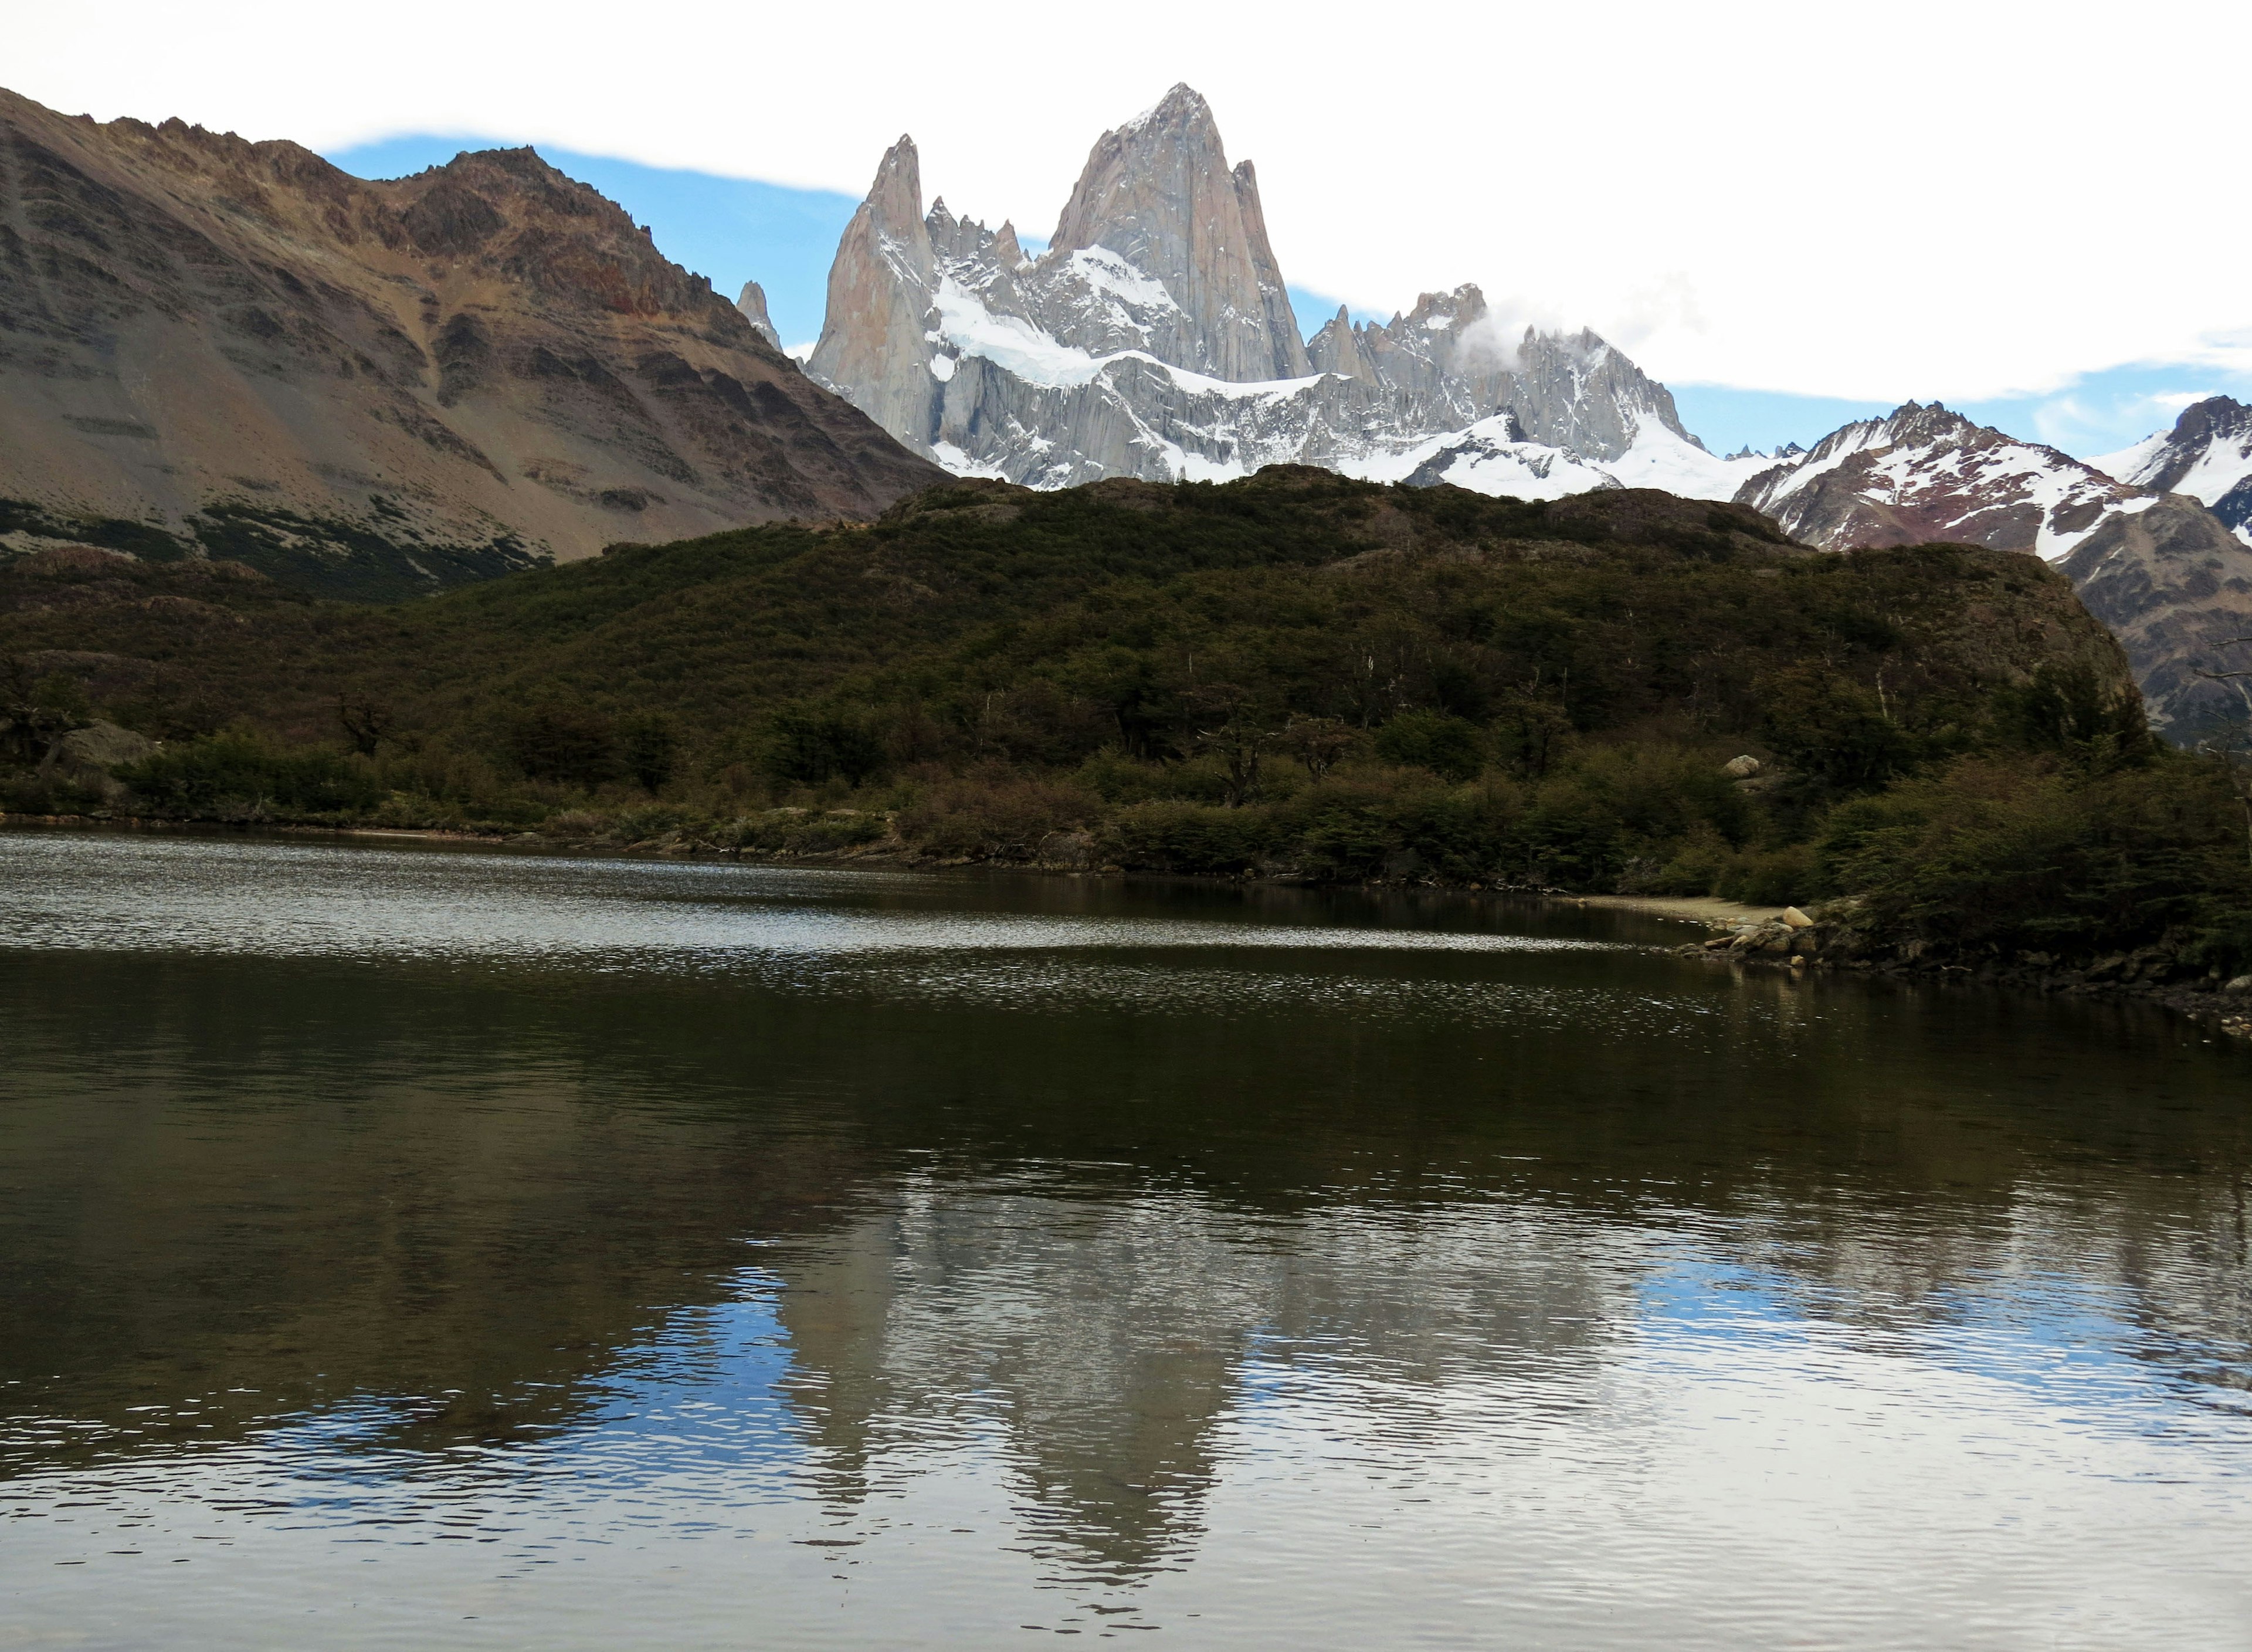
(410, 1245)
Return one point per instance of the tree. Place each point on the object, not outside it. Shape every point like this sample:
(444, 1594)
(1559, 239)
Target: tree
(809, 745)
(1318, 742)
(564, 741)
(1447, 745)
(367, 722)
(651, 743)
(1240, 739)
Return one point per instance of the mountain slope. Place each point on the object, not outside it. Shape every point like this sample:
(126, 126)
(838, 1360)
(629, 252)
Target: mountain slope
(2175, 587)
(210, 343)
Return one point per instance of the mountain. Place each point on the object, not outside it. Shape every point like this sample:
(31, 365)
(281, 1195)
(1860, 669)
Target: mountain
(1924, 472)
(213, 346)
(2162, 571)
(1155, 338)
(2175, 587)
(2208, 454)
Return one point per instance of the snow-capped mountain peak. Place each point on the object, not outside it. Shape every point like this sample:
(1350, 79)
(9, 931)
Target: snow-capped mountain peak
(2208, 454)
(1924, 472)
(1155, 338)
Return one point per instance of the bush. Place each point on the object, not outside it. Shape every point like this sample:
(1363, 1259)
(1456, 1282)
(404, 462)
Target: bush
(1188, 838)
(649, 744)
(997, 816)
(239, 776)
(808, 747)
(802, 831)
(2001, 853)
(563, 741)
(1772, 878)
(1448, 746)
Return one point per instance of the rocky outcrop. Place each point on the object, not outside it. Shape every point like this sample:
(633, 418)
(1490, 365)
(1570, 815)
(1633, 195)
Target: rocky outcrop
(87, 758)
(880, 288)
(2175, 587)
(752, 300)
(217, 346)
(1155, 339)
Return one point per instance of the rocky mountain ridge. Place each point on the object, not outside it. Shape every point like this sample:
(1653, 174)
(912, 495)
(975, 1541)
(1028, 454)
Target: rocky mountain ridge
(216, 346)
(1926, 473)
(1155, 338)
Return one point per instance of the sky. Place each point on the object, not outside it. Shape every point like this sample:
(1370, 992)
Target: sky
(1790, 214)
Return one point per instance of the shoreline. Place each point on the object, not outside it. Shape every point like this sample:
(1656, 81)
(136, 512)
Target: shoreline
(1694, 909)
(2228, 1013)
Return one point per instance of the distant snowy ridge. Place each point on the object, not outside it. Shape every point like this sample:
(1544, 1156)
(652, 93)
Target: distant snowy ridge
(1924, 472)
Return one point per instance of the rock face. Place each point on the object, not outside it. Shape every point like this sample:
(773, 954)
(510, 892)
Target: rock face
(213, 346)
(2207, 455)
(1157, 194)
(1155, 339)
(2175, 587)
(1923, 473)
(752, 300)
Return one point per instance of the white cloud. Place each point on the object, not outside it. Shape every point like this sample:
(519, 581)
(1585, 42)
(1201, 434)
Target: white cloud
(1833, 200)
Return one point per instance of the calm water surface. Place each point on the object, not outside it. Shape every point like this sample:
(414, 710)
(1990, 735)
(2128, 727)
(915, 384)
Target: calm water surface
(422, 1248)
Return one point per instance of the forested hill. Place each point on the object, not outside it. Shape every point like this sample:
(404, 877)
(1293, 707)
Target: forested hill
(1294, 675)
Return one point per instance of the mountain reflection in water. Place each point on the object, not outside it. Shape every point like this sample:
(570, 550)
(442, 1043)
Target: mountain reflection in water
(420, 1247)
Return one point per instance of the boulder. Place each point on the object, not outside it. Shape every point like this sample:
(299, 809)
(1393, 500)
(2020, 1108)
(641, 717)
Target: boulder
(1741, 767)
(1796, 919)
(86, 757)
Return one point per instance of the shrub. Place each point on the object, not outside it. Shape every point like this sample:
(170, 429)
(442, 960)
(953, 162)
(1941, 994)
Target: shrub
(1448, 746)
(995, 815)
(810, 747)
(802, 831)
(1998, 853)
(562, 741)
(237, 776)
(649, 743)
(1188, 838)
(1772, 878)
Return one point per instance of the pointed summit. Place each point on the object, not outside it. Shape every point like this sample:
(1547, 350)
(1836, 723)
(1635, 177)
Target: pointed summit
(1158, 191)
(871, 337)
(752, 304)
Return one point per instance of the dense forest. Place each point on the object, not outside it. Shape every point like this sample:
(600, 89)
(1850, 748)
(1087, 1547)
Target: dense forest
(1296, 676)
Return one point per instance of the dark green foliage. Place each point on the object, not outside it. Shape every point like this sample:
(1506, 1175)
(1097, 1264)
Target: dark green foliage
(350, 561)
(649, 743)
(565, 741)
(353, 561)
(1449, 746)
(1835, 730)
(2063, 708)
(2008, 853)
(814, 744)
(141, 539)
(238, 775)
